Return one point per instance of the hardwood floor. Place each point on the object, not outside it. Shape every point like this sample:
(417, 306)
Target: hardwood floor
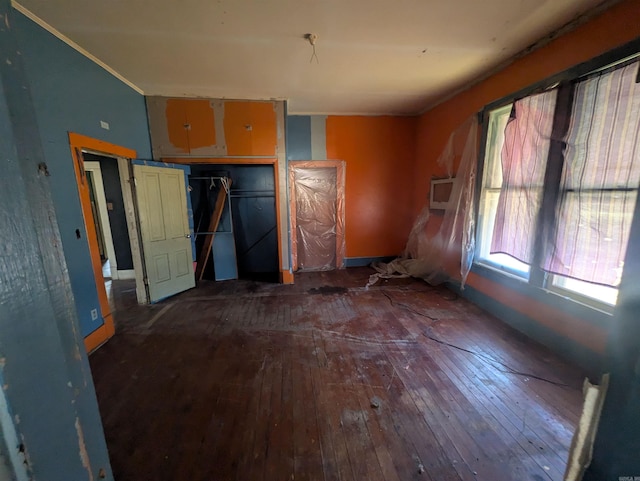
(328, 380)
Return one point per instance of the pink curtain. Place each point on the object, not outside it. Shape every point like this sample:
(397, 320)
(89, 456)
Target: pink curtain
(600, 179)
(524, 160)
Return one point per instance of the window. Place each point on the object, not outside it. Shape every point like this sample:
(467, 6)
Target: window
(560, 179)
(492, 186)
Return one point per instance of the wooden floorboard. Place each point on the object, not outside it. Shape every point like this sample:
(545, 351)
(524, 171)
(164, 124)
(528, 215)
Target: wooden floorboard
(329, 380)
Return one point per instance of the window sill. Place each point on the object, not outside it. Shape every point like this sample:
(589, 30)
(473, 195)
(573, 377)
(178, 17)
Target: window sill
(502, 271)
(554, 299)
(569, 296)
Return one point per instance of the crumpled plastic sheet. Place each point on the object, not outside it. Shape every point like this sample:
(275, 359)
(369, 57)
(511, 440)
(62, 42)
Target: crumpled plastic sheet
(438, 253)
(318, 204)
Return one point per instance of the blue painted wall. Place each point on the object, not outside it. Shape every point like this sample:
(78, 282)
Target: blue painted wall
(47, 395)
(298, 137)
(73, 94)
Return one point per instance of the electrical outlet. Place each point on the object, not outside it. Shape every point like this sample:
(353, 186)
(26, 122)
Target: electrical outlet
(104, 125)
(94, 314)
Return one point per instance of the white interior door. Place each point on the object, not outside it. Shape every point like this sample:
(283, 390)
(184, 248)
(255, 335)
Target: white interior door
(164, 227)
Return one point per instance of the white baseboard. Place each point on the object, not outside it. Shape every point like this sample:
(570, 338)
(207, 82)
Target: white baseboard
(126, 274)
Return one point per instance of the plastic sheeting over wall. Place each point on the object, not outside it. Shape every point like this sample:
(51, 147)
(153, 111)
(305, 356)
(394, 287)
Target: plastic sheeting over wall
(317, 211)
(441, 247)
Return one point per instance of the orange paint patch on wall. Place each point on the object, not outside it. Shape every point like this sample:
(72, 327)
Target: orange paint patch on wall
(379, 155)
(200, 114)
(250, 128)
(176, 120)
(613, 28)
(190, 123)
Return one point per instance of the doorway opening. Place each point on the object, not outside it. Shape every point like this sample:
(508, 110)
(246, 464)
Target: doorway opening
(245, 240)
(107, 204)
(96, 218)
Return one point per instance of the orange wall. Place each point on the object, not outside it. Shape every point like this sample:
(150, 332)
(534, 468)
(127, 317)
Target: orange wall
(379, 153)
(615, 27)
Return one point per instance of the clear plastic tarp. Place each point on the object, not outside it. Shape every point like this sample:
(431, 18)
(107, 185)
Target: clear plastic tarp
(441, 244)
(318, 215)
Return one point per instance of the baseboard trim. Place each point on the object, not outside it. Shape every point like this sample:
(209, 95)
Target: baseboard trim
(286, 277)
(126, 274)
(365, 261)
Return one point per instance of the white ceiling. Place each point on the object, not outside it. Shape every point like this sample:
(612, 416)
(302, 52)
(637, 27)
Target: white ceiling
(375, 56)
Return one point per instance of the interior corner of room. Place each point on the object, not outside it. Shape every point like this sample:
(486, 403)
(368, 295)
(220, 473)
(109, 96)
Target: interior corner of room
(448, 218)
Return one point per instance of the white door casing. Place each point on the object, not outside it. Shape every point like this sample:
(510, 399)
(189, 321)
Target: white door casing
(101, 200)
(164, 227)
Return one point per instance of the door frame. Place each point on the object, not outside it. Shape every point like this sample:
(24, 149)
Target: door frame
(103, 213)
(77, 144)
(286, 277)
(339, 165)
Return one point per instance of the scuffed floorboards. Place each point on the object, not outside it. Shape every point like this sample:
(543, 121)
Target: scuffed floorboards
(327, 380)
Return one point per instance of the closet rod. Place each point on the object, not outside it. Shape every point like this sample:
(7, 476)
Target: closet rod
(207, 178)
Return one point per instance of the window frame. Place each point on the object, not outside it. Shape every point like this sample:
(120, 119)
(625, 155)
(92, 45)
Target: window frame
(539, 282)
(488, 261)
(588, 301)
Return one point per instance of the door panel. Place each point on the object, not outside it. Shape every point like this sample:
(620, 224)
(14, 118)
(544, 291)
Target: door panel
(153, 205)
(164, 226)
(183, 264)
(171, 186)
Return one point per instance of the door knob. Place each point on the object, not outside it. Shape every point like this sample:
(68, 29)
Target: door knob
(188, 236)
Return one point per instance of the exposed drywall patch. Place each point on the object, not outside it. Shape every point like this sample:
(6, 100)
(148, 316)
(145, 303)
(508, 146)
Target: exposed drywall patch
(218, 112)
(160, 141)
(84, 456)
(318, 137)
